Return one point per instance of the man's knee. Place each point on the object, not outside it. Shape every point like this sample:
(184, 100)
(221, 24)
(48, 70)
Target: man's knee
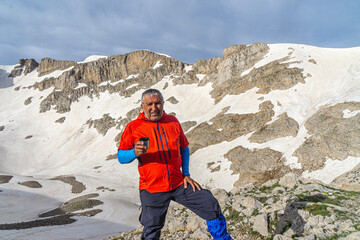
(204, 204)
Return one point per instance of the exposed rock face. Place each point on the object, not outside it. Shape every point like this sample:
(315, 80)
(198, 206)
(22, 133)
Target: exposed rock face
(256, 166)
(132, 68)
(187, 125)
(28, 65)
(49, 65)
(5, 178)
(31, 184)
(228, 127)
(283, 126)
(227, 77)
(332, 136)
(28, 101)
(207, 66)
(60, 120)
(61, 100)
(226, 73)
(17, 71)
(272, 76)
(103, 124)
(238, 58)
(77, 187)
(172, 100)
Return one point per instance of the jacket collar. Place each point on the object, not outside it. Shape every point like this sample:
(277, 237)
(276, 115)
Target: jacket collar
(142, 117)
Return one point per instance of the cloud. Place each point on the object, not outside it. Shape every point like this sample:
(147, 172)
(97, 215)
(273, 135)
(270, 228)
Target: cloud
(187, 30)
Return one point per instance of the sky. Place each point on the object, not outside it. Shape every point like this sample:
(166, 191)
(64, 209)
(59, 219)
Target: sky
(186, 30)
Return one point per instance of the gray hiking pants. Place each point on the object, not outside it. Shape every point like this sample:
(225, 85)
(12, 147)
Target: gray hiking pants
(155, 206)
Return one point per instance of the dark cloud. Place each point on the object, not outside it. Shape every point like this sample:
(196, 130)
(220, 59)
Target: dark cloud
(187, 30)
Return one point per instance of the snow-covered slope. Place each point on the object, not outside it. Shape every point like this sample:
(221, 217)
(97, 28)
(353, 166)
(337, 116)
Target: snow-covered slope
(38, 146)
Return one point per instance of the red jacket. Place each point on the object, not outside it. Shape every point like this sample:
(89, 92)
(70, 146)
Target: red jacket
(159, 167)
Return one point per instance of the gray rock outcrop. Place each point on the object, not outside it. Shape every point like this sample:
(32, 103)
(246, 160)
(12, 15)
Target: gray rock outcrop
(77, 187)
(31, 184)
(24, 65)
(5, 178)
(103, 124)
(49, 65)
(232, 125)
(332, 136)
(283, 126)
(135, 68)
(256, 166)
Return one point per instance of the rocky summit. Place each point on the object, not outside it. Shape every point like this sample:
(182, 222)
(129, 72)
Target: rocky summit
(256, 117)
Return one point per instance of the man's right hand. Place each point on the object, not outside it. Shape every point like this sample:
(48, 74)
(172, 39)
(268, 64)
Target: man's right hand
(139, 148)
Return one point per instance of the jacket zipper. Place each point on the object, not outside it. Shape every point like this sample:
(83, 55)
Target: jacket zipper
(162, 145)
(157, 143)
(167, 145)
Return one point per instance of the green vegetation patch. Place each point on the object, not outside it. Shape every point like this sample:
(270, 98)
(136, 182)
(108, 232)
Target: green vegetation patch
(317, 209)
(311, 198)
(234, 215)
(268, 188)
(255, 212)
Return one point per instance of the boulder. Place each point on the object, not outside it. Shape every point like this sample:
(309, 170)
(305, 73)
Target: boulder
(290, 180)
(261, 225)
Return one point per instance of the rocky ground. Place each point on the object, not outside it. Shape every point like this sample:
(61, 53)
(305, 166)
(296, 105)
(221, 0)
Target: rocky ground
(288, 208)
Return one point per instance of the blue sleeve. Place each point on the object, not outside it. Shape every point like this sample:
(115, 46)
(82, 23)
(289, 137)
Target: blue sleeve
(126, 156)
(185, 157)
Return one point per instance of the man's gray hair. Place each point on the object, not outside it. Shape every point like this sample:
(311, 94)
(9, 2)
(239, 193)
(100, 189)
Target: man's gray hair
(151, 92)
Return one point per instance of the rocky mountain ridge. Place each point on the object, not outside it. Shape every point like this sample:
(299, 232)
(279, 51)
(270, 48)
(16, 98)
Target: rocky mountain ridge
(255, 115)
(126, 74)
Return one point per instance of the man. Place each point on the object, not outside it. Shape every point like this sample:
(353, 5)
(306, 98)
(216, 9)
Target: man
(161, 179)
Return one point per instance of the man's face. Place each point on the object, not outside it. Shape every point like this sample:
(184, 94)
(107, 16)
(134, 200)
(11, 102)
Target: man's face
(153, 107)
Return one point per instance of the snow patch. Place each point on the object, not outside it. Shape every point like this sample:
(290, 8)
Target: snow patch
(80, 85)
(132, 76)
(158, 64)
(332, 169)
(200, 76)
(188, 68)
(349, 114)
(131, 86)
(92, 58)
